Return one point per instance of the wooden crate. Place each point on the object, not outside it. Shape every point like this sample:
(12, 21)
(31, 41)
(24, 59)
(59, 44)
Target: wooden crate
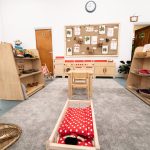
(52, 142)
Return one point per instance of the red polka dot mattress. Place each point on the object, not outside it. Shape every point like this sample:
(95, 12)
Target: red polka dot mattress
(77, 122)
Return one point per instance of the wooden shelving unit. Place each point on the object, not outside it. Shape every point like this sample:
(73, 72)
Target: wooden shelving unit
(135, 80)
(14, 86)
(32, 90)
(30, 74)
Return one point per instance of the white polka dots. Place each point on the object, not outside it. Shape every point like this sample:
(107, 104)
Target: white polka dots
(79, 121)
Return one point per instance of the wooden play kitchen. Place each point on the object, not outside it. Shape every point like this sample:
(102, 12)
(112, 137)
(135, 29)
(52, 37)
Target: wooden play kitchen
(52, 143)
(100, 68)
(20, 77)
(138, 81)
(80, 79)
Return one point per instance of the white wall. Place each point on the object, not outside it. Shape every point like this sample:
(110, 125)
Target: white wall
(20, 17)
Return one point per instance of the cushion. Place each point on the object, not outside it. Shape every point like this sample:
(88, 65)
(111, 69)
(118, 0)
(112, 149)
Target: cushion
(87, 142)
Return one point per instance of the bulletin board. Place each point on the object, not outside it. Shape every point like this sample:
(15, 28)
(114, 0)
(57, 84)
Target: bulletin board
(92, 40)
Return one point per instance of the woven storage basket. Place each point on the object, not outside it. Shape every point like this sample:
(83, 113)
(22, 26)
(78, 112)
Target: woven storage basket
(144, 94)
(9, 134)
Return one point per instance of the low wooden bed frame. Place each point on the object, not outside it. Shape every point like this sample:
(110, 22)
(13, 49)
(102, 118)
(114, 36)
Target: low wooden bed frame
(52, 144)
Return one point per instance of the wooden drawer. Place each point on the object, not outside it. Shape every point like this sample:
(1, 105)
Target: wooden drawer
(104, 64)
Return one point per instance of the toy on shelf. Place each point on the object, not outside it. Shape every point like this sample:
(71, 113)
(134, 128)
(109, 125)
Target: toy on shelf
(19, 51)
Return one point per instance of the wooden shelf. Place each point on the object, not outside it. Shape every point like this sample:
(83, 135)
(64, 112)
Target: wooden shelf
(142, 57)
(25, 58)
(30, 74)
(139, 74)
(12, 86)
(32, 90)
(135, 80)
(133, 90)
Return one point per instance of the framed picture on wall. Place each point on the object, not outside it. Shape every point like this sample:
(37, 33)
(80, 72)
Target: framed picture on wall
(105, 49)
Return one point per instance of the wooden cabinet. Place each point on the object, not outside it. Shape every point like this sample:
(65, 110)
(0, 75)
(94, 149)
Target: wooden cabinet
(106, 69)
(98, 70)
(136, 81)
(14, 85)
(59, 66)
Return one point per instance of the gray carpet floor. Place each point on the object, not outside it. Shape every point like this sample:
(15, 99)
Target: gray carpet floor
(123, 121)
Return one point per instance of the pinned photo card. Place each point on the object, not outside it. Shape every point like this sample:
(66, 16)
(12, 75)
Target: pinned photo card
(113, 44)
(115, 27)
(89, 29)
(105, 49)
(68, 32)
(76, 30)
(102, 39)
(102, 29)
(76, 48)
(87, 40)
(110, 32)
(69, 51)
(93, 39)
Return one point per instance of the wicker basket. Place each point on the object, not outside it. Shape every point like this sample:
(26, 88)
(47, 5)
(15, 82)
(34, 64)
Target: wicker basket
(144, 94)
(9, 134)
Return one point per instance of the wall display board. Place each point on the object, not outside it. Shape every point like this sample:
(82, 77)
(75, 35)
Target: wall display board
(98, 40)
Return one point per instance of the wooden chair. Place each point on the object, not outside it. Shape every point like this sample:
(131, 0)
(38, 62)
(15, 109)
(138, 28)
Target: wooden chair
(80, 81)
